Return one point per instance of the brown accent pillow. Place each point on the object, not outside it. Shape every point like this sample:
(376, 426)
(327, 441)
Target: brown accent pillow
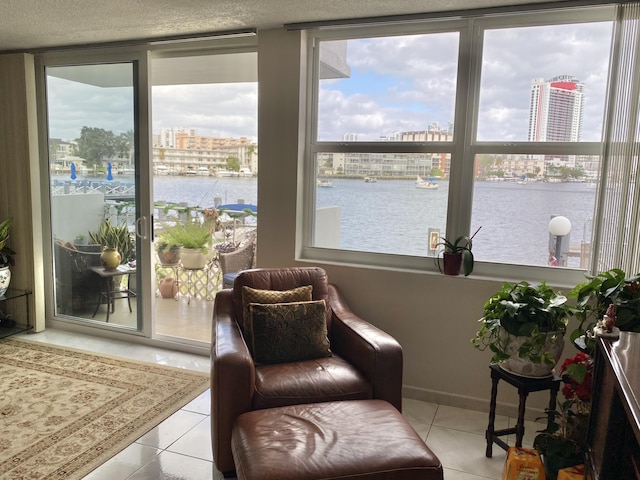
(253, 295)
(289, 332)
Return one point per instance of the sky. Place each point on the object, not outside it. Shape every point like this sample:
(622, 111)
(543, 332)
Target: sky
(407, 83)
(396, 84)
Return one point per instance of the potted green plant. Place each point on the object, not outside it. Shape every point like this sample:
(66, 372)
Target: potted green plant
(6, 255)
(116, 238)
(80, 239)
(194, 238)
(168, 255)
(117, 245)
(456, 254)
(594, 296)
(523, 325)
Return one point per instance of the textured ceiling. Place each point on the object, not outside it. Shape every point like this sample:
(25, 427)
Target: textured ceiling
(35, 24)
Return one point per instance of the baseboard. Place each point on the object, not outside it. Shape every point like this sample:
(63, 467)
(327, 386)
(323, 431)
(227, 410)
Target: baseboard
(468, 403)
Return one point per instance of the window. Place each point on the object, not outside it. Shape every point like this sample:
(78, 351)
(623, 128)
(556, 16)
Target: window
(450, 126)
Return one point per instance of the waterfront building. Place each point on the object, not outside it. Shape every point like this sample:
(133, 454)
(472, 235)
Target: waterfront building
(167, 137)
(178, 160)
(187, 141)
(556, 109)
(350, 137)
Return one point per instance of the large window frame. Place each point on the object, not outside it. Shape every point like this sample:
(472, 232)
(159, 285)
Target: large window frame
(463, 148)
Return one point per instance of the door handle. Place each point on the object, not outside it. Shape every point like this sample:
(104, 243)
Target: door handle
(141, 228)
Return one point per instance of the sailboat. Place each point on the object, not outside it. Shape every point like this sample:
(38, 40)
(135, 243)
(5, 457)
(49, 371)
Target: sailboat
(425, 184)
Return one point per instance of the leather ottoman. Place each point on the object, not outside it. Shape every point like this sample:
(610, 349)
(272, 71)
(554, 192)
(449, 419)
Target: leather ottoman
(366, 439)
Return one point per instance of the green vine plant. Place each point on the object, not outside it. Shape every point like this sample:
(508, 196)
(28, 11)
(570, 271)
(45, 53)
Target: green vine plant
(523, 310)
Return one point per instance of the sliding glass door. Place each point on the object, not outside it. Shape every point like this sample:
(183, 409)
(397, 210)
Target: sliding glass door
(118, 183)
(94, 174)
(204, 159)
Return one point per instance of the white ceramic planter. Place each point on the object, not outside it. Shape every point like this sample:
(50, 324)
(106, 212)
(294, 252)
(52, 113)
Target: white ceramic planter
(192, 258)
(523, 366)
(5, 279)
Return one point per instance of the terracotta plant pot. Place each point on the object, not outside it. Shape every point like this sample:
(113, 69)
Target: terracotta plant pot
(169, 256)
(452, 263)
(168, 287)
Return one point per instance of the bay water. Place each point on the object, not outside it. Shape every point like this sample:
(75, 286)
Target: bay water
(393, 216)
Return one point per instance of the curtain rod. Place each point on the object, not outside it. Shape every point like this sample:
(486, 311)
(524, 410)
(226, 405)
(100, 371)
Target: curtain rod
(192, 37)
(449, 14)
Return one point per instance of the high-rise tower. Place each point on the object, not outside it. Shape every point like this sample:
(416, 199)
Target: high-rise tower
(556, 109)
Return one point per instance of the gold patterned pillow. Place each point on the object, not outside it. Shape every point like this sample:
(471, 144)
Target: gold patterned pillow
(253, 295)
(289, 332)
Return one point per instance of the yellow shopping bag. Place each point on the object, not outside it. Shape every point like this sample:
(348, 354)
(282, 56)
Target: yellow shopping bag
(523, 464)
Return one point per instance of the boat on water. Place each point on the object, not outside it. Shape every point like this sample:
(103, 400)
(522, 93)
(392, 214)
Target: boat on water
(425, 184)
(190, 172)
(203, 171)
(323, 183)
(224, 173)
(161, 170)
(246, 172)
(370, 179)
(127, 171)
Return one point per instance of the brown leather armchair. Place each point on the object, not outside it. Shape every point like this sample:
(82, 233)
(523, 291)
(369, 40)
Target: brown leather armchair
(366, 362)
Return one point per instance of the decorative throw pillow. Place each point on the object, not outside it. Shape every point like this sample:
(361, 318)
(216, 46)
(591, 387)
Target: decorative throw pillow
(289, 332)
(253, 295)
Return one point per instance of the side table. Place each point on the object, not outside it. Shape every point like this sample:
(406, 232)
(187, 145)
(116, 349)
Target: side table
(524, 386)
(109, 293)
(15, 327)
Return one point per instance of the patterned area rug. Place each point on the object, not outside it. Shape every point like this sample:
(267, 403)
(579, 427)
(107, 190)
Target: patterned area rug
(63, 412)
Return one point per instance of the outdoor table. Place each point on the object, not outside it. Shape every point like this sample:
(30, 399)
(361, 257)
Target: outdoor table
(109, 293)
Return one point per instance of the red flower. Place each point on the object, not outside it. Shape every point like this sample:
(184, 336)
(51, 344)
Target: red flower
(577, 372)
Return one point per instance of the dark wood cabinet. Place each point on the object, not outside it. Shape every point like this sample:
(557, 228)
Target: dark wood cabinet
(614, 423)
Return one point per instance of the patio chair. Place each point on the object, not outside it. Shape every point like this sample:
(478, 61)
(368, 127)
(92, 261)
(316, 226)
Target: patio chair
(234, 262)
(77, 287)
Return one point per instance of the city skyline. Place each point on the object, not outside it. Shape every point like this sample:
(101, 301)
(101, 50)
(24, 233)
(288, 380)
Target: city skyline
(387, 95)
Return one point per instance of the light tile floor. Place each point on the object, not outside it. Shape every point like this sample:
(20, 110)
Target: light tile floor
(180, 447)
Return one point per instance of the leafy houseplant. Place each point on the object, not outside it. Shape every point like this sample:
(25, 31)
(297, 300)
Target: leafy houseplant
(594, 296)
(193, 237)
(191, 234)
(457, 253)
(524, 322)
(118, 237)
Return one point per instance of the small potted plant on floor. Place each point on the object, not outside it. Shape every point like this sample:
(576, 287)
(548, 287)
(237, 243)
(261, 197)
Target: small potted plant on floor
(523, 325)
(564, 442)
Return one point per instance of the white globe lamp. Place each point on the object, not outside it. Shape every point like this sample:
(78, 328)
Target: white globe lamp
(559, 227)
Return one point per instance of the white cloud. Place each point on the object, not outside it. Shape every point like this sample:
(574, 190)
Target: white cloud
(397, 83)
(409, 82)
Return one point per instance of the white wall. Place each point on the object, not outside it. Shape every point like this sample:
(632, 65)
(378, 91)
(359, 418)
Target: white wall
(433, 316)
(73, 215)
